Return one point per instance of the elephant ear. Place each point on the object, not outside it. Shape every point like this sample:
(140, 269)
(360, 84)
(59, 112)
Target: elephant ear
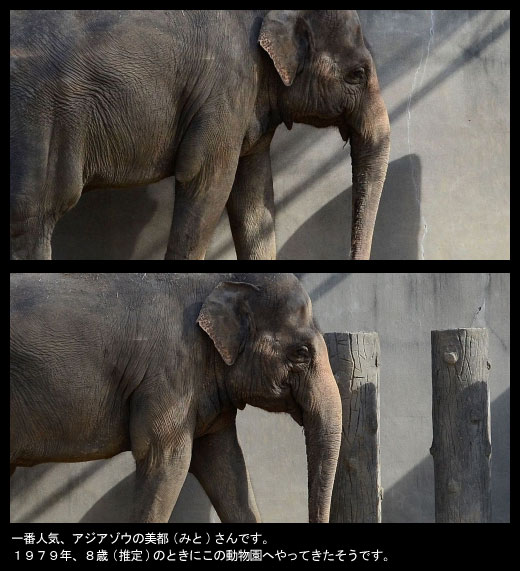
(227, 318)
(280, 39)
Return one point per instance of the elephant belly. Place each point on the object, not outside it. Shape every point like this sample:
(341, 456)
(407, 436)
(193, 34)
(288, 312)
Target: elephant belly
(80, 430)
(133, 148)
(74, 446)
(127, 172)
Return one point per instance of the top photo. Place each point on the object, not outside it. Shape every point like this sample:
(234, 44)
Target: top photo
(260, 134)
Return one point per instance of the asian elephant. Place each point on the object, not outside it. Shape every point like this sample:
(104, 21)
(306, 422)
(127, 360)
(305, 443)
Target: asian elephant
(159, 364)
(121, 98)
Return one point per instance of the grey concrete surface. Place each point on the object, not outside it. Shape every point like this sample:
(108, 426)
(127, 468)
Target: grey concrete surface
(445, 79)
(403, 308)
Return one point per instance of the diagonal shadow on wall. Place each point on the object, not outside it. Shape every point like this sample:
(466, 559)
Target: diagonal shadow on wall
(24, 479)
(192, 505)
(470, 53)
(392, 57)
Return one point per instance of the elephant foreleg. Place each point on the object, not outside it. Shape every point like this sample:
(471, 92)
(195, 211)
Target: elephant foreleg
(218, 464)
(251, 208)
(159, 479)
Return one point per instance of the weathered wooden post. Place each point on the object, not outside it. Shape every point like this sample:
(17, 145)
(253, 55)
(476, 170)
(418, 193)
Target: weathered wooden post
(354, 359)
(461, 446)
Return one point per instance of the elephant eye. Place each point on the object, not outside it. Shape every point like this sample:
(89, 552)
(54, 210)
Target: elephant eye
(356, 75)
(299, 354)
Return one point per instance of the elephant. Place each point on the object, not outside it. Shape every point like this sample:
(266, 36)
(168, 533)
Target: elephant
(158, 364)
(122, 98)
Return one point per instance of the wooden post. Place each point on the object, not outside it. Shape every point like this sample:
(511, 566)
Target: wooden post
(354, 359)
(461, 446)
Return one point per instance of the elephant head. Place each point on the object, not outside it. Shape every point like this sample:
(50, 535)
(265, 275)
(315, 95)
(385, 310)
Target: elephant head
(329, 79)
(275, 358)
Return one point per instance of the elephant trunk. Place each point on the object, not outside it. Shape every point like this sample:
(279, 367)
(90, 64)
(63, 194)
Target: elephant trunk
(370, 150)
(322, 426)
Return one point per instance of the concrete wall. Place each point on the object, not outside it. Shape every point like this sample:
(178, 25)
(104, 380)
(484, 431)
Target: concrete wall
(403, 309)
(445, 80)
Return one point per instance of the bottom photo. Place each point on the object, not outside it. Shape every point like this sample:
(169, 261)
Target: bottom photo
(260, 398)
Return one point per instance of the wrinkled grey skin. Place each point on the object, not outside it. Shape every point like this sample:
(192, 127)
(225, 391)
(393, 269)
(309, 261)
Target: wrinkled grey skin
(159, 364)
(103, 98)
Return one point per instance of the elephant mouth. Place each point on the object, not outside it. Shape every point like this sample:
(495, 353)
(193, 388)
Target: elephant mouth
(320, 122)
(296, 412)
(293, 408)
(344, 132)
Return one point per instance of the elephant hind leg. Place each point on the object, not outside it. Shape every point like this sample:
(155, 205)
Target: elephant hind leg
(31, 234)
(46, 182)
(36, 207)
(31, 238)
